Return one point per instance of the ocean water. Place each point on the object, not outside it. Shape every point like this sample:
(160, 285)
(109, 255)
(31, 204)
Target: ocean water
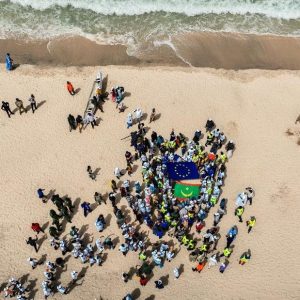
(142, 24)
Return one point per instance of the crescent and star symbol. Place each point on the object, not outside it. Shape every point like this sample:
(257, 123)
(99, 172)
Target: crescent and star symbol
(186, 195)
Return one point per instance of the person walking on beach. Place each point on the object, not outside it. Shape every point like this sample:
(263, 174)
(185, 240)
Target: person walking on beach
(72, 122)
(153, 115)
(92, 175)
(8, 62)
(20, 106)
(33, 262)
(6, 108)
(113, 185)
(74, 276)
(231, 235)
(98, 198)
(226, 252)
(41, 195)
(79, 122)
(245, 257)
(32, 103)
(37, 228)
(159, 284)
(118, 173)
(33, 243)
(90, 119)
(251, 223)
(86, 208)
(70, 88)
(239, 212)
(129, 120)
(250, 194)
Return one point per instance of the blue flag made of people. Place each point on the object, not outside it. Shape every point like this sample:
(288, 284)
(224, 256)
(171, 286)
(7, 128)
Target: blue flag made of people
(182, 170)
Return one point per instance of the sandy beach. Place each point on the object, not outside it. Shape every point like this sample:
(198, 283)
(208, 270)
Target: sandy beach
(255, 108)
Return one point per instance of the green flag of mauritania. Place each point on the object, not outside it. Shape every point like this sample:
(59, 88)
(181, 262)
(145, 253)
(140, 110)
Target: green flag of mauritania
(186, 190)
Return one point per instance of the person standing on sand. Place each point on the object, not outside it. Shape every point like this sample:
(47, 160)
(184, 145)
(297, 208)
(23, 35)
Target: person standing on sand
(74, 276)
(20, 106)
(5, 107)
(245, 257)
(70, 88)
(113, 185)
(129, 120)
(90, 119)
(8, 62)
(176, 273)
(153, 115)
(91, 173)
(159, 284)
(72, 122)
(32, 103)
(33, 262)
(41, 195)
(98, 198)
(239, 212)
(79, 122)
(37, 228)
(250, 194)
(231, 235)
(86, 208)
(33, 243)
(118, 173)
(251, 223)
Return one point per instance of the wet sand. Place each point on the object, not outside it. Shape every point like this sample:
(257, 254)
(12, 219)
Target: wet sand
(213, 50)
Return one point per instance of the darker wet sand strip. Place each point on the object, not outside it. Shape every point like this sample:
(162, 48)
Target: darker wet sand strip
(207, 50)
(79, 51)
(239, 51)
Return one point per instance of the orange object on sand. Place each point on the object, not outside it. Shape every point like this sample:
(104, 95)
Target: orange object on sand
(70, 87)
(200, 266)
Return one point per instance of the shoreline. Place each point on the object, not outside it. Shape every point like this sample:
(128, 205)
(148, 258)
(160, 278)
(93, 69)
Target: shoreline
(206, 50)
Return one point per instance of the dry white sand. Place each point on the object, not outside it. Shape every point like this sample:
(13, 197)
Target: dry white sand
(254, 108)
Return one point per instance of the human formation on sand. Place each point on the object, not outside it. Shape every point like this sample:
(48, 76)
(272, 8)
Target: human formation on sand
(182, 185)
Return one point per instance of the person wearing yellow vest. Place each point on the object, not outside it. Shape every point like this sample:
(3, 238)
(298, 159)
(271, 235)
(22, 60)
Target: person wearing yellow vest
(251, 223)
(184, 240)
(191, 245)
(239, 212)
(226, 252)
(203, 248)
(245, 257)
(222, 158)
(142, 256)
(210, 138)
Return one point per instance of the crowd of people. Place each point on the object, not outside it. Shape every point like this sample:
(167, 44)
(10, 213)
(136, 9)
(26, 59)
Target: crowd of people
(152, 202)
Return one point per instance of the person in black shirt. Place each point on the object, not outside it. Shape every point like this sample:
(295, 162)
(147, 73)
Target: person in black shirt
(79, 122)
(5, 106)
(72, 122)
(33, 242)
(210, 124)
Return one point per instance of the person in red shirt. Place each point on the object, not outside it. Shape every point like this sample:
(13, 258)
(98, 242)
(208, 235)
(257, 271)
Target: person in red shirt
(70, 88)
(143, 280)
(37, 228)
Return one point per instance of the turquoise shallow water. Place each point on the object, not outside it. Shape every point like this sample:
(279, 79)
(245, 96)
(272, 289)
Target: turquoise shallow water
(139, 22)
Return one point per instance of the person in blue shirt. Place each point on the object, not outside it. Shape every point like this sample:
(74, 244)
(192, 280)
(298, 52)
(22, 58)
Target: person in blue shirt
(231, 235)
(41, 195)
(8, 62)
(86, 208)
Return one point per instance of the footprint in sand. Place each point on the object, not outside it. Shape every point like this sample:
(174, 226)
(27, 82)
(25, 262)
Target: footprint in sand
(232, 129)
(294, 132)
